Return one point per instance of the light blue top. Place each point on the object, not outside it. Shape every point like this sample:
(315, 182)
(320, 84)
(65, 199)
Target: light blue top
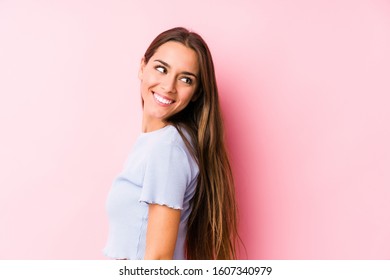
(159, 170)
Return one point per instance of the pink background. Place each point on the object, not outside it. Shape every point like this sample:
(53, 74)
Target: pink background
(305, 93)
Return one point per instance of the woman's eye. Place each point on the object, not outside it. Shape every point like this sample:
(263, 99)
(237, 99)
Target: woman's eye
(187, 80)
(161, 69)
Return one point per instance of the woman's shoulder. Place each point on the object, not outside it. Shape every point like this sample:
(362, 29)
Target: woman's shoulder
(170, 135)
(167, 137)
(168, 146)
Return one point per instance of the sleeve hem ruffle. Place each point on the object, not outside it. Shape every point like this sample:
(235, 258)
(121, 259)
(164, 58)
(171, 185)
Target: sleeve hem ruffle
(162, 204)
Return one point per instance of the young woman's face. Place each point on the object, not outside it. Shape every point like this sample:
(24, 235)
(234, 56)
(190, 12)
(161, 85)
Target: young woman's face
(168, 83)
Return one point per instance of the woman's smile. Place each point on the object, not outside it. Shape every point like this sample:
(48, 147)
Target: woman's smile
(162, 100)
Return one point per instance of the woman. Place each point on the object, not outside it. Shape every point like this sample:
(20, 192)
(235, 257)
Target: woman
(175, 197)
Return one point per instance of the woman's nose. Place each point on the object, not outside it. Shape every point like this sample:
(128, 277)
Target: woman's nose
(168, 84)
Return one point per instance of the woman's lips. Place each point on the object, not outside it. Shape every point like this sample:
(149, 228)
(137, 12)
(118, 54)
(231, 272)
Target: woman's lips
(162, 99)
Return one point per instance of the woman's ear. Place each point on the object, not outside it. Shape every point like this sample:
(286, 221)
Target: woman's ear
(141, 68)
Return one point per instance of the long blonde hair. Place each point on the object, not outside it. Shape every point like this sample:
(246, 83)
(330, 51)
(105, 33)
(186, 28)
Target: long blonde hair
(212, 226)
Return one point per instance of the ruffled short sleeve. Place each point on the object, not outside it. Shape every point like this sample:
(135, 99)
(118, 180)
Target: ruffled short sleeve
(167, 175)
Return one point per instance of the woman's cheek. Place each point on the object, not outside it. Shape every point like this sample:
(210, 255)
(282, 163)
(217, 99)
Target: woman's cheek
(152, 79)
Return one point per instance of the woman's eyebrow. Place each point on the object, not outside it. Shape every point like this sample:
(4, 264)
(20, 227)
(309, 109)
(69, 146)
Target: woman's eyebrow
(168, 66)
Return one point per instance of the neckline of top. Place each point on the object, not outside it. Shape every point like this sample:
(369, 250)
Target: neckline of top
(157, 131)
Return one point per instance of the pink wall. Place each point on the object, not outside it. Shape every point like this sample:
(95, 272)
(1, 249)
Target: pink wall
(305, 93)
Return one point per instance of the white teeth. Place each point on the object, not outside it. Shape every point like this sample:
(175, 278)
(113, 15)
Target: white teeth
(162, 99)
